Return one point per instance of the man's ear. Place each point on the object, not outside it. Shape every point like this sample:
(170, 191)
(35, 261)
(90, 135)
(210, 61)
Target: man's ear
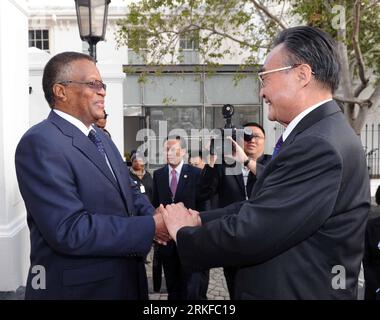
(59, 91)
(304, 74)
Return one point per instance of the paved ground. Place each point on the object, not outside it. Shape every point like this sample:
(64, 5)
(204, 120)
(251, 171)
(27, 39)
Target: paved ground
(217, 287)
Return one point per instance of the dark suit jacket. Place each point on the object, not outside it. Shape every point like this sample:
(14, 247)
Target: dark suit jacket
(87, 230)
(146, 181)
(229, 188)
(371, 260)
(307, 213)
(186, 190)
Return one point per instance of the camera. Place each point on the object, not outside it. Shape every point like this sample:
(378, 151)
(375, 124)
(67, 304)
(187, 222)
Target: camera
(218, 142)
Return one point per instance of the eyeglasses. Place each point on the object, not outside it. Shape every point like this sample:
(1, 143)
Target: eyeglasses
(105, 115)
(94, 84)
(256, 137)
(263, 73)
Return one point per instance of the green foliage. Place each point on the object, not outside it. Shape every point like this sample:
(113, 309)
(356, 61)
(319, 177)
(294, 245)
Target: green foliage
(157, 25)
(164, 22)
(318, 13)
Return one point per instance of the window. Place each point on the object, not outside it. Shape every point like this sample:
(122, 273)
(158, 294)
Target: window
(39, 39)
(137, 37)
(189, 42)
(188, 46)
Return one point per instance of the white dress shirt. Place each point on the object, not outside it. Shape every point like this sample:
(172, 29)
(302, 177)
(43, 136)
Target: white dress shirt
(297, 119)
(81, 126)
(177, 170)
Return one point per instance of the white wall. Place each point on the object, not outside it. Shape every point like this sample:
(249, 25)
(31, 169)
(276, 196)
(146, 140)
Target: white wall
(14, 244)
(59, 17)
(38, 107)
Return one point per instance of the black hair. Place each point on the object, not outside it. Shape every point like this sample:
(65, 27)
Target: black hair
(314, 47)
(254, 124)
(198, 153)
(57, 69)
(377, 195)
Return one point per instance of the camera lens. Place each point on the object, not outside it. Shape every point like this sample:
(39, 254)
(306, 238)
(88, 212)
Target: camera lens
(228, 110)
(248, 134)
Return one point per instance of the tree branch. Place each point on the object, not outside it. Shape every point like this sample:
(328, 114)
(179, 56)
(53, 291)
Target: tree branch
(360, 102)
(223, 34)
(375, 97)
(360, 87)
(264, 9)
(355, 42)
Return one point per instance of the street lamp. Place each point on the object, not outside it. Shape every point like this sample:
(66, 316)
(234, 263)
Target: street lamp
(92, 21)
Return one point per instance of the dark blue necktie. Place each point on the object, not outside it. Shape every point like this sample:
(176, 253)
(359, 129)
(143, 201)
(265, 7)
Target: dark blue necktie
(277, 147)
(93, 136)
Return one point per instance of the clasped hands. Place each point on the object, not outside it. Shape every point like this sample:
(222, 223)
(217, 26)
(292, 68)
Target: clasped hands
(170, 219)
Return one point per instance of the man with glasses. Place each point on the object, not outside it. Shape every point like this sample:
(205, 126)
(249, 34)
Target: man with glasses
(90, 227)
(237, 187)
(301, 233)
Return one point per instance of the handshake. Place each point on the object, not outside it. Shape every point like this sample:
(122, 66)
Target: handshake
(168, 220)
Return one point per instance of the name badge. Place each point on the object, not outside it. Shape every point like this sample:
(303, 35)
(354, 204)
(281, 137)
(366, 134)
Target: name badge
(142, 189)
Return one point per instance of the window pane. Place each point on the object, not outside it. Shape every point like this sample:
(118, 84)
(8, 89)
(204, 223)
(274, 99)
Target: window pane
(39, 44)
(185, 118)
(222, 89)
(173, 89)
(46, 45)
(46, 34)
(38, 34)
(132, 90)
(30, 43)
(31, 34)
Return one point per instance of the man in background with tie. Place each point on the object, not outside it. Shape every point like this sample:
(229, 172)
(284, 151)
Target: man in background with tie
(173, 183)
(90, 227)
(301, 233)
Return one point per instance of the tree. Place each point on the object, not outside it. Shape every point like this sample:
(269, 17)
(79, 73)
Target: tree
(246, 28)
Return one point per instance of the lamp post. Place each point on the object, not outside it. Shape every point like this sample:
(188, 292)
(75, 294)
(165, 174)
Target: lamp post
(92, 21)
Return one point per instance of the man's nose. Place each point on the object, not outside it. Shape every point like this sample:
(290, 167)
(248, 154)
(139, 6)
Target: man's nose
(261, 92)
(101, 92)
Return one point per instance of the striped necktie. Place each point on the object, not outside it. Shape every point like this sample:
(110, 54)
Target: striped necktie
(93, 136)
(277, 147)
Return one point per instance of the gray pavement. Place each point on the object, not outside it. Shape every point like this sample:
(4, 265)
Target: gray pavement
(217, 287)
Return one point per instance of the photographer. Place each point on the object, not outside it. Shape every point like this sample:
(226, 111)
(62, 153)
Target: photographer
(235, 188)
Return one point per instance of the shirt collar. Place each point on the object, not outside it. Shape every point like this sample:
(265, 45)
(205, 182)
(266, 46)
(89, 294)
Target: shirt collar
(177, 169)
(74, 121)
(298, 118)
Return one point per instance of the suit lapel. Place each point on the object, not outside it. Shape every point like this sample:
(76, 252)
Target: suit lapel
(116, 170)
(314, 116)
(184, 177)
(83, 144)
(240, 182)
(164, 181)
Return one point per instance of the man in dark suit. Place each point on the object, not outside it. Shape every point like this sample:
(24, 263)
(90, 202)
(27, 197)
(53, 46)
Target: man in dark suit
(234, 186)
(173, 183)
(90, 227)
(371, 260)
(301, 233)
